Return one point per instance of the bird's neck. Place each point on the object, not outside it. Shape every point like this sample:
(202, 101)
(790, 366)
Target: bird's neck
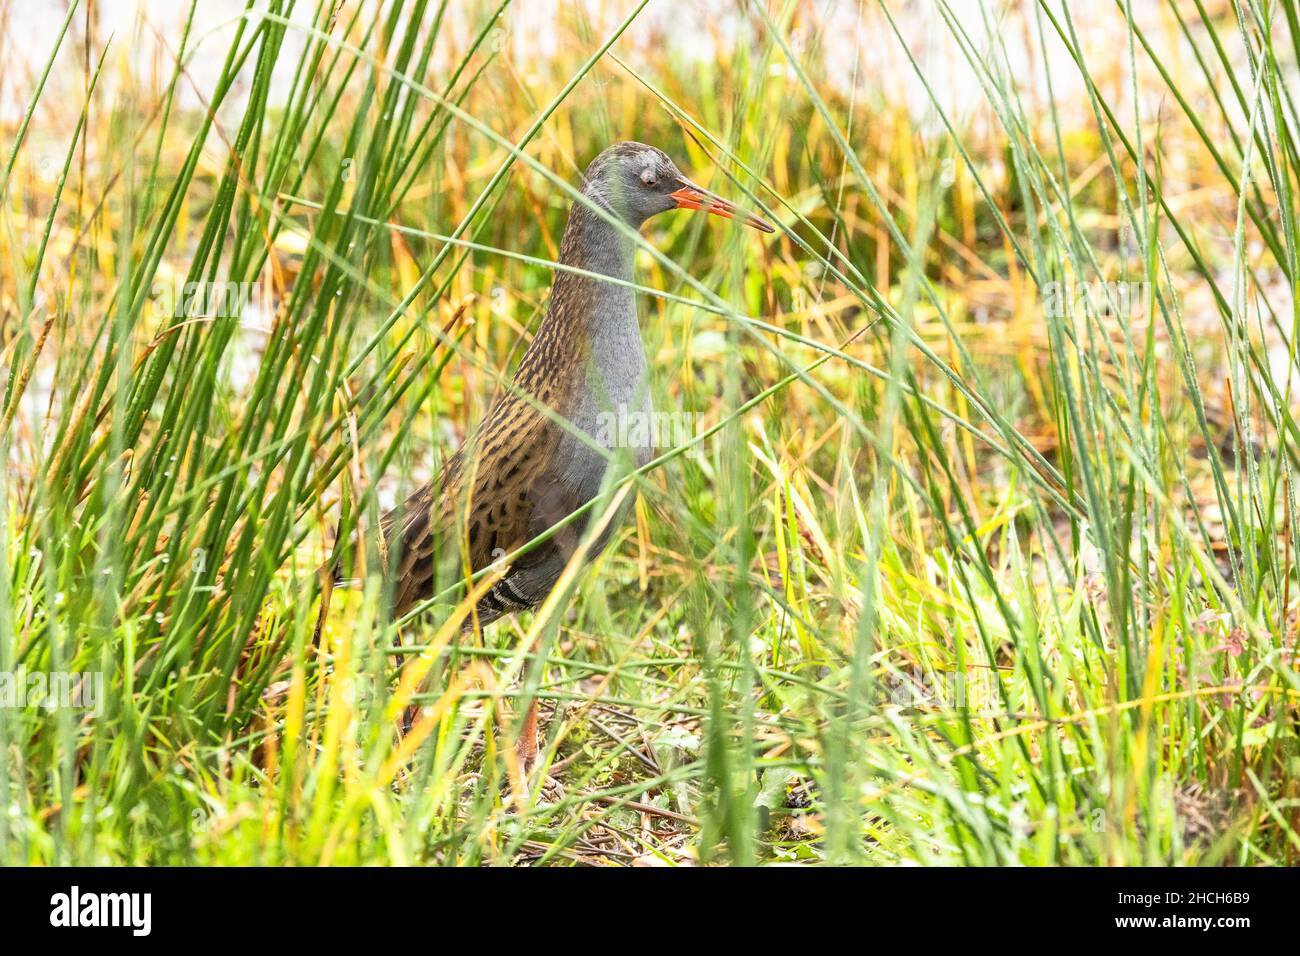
(590, 334)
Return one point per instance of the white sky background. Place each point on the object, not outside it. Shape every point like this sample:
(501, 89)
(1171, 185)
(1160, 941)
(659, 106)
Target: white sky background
(690, 29)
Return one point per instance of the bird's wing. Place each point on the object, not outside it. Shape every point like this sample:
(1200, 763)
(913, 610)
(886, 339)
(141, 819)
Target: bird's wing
(479, 508)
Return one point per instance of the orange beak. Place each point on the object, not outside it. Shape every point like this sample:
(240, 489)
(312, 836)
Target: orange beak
(691, 196)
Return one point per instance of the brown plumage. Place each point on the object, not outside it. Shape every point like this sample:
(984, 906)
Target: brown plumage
(495, 483)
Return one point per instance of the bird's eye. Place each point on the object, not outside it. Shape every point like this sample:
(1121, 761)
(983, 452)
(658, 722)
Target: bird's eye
(649, 178)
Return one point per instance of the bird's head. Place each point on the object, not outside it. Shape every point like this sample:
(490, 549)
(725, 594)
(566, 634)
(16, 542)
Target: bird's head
(636, 181)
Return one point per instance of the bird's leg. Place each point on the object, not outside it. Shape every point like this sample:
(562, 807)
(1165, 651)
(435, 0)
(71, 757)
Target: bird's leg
(411, 711)
(527, 750)
(526, 747)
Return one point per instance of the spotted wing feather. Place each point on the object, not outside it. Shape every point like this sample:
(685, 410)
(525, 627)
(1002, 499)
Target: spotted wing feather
(482, 506)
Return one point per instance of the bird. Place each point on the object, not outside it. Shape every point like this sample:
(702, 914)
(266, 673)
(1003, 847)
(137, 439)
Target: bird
(540, 452)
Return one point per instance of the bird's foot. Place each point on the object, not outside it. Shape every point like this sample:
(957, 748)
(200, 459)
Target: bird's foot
(549, 789)
(540, 788)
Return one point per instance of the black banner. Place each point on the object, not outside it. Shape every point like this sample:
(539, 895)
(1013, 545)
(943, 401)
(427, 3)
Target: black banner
(257, 907)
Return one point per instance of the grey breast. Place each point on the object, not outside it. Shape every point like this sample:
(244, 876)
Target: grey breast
(594, 440)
